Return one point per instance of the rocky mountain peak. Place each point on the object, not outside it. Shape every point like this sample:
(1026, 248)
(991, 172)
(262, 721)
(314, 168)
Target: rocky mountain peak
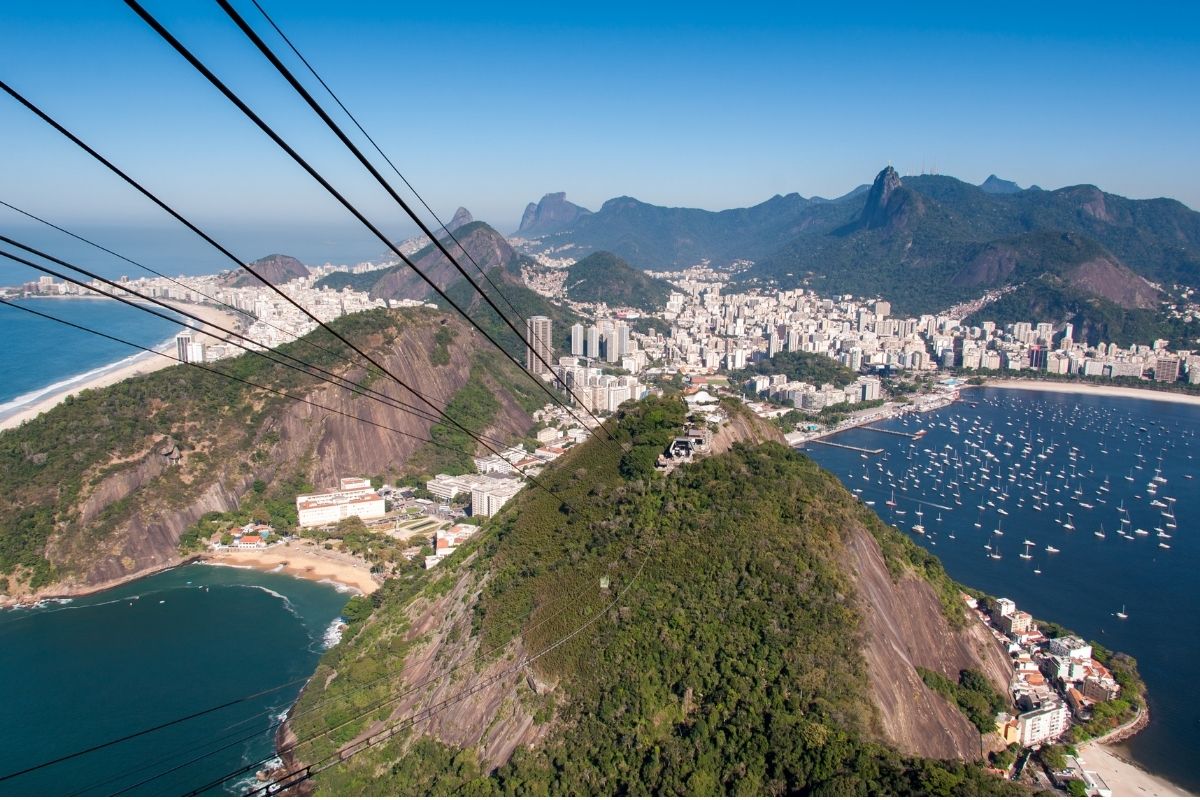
(888, 201)
(551, 214)
(995, 185)
(461, 217)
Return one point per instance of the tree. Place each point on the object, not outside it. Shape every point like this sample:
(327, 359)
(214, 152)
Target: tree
(357, 609)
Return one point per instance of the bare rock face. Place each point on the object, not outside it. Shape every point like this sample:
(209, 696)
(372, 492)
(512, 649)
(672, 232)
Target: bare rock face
(461, 217)
(166, 497)
(551, 214)
(1105, 277)
(904, 628)
(890, 205)
(486, 247)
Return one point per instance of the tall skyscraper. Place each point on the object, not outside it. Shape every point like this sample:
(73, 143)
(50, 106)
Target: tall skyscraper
(622, 339)
(539, 345)
(578, 342)
(593, 342)
(183, 344)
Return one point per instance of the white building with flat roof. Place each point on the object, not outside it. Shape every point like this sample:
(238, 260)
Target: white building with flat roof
(354, 497)
(487, 500)
(1043, 724)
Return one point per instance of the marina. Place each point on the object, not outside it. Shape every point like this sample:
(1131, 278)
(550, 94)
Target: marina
(1044, 477)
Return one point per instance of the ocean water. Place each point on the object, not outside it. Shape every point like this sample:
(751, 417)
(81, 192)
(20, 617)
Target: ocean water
(84, 672)
(39, 353)
(1080, 451)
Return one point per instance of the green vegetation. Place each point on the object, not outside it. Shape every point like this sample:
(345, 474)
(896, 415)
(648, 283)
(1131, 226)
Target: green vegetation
(1054, 756)
(724, 655)
(1004, 759)
(51, 463)
(359, 282)
(1110, 714)
(815, 368)
(527, 302)
(275, 507)
(605, 278)
(973, 694)
(1077, 788)
(441, 346)
(829, 415)
(474, 407)
(1049, 297)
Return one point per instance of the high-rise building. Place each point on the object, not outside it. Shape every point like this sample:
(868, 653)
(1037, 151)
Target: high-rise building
(1166, 370)
(183, 344)
(622, 339)
(577, 339)
(539, 343)
(593, 342)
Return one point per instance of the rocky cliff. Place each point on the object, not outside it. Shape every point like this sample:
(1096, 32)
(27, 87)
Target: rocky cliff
(551, 214)
(488, 249)
(123, 514)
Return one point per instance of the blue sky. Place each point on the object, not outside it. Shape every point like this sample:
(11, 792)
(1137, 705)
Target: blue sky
(492, 105)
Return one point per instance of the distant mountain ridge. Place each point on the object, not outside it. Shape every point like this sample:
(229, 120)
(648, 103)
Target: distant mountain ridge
(925, 242)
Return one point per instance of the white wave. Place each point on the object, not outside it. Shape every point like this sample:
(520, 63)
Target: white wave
(333, 634)
(340, 588)
(17, 403)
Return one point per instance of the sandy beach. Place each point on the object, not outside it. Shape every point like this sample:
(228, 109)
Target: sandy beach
(1094, 389)
(142, 364)
(302, 559)
(1125, 778)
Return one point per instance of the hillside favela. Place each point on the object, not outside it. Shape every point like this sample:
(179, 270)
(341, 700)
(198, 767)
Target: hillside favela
(610, 400)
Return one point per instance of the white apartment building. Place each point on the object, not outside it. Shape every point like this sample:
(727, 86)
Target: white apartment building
(488, 499)
(1043, 724)
(354, 497)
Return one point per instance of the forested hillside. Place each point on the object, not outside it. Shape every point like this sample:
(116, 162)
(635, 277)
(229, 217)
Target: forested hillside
(703, 633)
(87, 495)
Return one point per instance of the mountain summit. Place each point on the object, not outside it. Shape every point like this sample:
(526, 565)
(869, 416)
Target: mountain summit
(994, 185)
(889, 203)
(461, 217)
(551, 214)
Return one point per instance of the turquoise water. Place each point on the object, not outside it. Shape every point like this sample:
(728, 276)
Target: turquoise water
(1079, 451)
(84, 672)
(39, 353)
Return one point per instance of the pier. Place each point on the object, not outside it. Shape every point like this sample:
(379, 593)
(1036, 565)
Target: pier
(916, 435)
(874, 452)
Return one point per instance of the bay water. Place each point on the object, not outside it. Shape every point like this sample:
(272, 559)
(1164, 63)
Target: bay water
(79, 673)
(1095, 459)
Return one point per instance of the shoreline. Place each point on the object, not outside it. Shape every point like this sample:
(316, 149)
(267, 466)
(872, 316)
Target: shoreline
(140, 363)
(1124, 776)
(1065, 387)
(1107, 757)
(306, 561)
(302, 559)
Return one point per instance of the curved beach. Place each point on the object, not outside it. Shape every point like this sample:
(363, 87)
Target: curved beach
(1065, 387)
(140, 363)
(302, 559)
